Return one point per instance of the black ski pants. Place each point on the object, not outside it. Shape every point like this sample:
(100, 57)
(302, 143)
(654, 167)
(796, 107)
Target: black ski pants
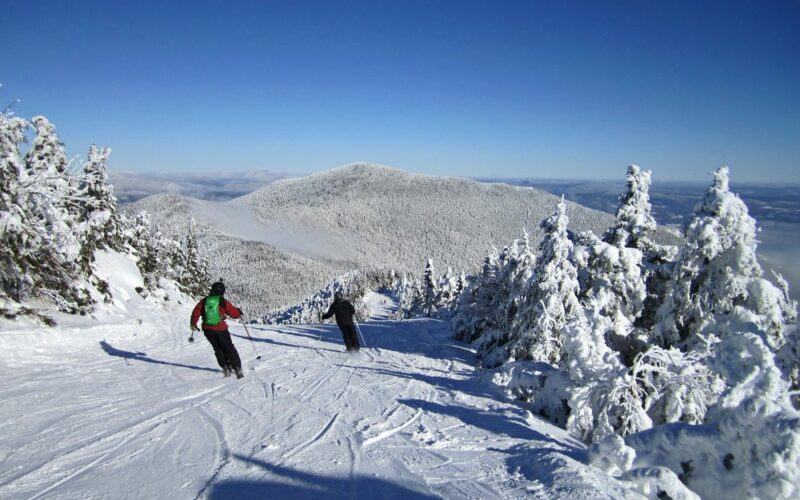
(226, 353)
(350, 336)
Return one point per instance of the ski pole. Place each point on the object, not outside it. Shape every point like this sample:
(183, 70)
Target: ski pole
(360, 336)
(191, 336)
(258, 357)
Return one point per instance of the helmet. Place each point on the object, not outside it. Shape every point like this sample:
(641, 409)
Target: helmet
(218, 288)
(338, 296)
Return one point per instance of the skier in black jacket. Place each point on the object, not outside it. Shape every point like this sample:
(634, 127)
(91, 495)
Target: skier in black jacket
(344, 311)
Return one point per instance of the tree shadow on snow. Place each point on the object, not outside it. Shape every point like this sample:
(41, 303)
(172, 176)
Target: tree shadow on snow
(498, 423)
(141, 356)
(469, 385)
(295, 484)
(550, 467)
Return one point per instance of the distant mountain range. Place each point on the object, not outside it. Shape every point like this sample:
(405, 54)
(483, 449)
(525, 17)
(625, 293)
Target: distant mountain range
(284, 241)
(219, 186)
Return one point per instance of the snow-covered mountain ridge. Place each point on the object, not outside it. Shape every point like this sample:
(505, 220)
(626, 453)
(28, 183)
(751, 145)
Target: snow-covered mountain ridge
(283, 242)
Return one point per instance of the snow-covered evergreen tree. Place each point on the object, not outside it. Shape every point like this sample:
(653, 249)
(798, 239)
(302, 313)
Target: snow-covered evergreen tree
(634, 223)
(474, 314)
(99, 223)
(51, 194)
(633, 229)
(717, 274)
(614, 292)
(18, 241)
(461, 284)
(194, 275)
(147, 249)
(537, 331)
(447, 291)
(37, 256)
(430, 290)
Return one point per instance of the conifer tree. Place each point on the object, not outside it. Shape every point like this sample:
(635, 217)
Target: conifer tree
(461, 284)
(447, 291)
(519, 280)
(634, 223)
(194, 277)
(33, 262)
(537, 332)
(146, 246)
(51, 194)
(430, 289)
(633, 228)
(99, 222)
(717, 273)
(18, 243)
(474, 315)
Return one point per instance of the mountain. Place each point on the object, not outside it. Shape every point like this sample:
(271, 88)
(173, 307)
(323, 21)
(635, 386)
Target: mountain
(130, 187)
(289, 238)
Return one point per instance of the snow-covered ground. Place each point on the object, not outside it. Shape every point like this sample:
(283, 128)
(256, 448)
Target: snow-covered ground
(115, 408)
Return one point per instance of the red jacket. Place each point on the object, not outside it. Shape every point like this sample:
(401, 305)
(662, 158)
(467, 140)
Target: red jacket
(225, 308)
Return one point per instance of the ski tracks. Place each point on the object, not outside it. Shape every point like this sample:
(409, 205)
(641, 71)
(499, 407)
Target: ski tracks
(303, 408)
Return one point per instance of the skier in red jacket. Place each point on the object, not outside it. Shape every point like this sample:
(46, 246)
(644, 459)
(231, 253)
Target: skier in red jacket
(214, 308)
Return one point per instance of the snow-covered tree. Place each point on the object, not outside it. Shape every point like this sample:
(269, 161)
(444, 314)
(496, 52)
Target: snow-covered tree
(37, 254)
(46, 161)
(474, 314)
(717, 274)
(99, 222)
(147, 250)
(447, 294)
(51, 195)
(614, 292)
(634, 223)
(194, 275)
(537, 331)
(18, 239)
(430, 290)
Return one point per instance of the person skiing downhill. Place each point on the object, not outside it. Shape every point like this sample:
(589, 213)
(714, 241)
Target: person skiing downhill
(344, 311)
(214, 308)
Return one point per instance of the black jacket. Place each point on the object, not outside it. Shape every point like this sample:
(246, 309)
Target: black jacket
(343, 310)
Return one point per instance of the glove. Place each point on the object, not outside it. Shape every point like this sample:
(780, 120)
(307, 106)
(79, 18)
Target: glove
(194, 328)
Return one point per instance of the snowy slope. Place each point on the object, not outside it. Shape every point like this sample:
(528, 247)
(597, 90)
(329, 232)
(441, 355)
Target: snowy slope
(116, 409)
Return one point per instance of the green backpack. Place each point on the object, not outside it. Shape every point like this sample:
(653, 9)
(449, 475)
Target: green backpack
(211, 315)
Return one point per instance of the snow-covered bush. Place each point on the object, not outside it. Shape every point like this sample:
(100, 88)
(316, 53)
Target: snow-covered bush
(750, 451)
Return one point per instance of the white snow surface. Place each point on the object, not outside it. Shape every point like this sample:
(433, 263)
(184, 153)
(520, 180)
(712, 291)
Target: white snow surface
(122, 406)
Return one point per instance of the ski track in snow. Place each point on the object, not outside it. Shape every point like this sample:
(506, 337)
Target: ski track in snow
(124, 413)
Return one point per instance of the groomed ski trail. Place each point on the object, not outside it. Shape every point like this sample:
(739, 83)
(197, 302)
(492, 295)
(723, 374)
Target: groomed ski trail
(131, 411)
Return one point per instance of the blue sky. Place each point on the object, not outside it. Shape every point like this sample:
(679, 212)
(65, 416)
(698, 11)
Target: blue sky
(515, 89)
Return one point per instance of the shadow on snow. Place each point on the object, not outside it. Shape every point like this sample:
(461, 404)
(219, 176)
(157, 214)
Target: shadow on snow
(429, 337)
(295, 484)
(141, 356)
(500, 424)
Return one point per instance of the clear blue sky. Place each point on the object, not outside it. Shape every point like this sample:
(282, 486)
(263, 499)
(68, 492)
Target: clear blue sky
(525, 89)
